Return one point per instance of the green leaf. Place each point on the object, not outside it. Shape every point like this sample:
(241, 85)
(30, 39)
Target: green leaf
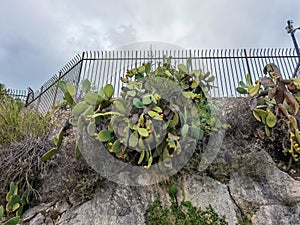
(86, 85)
(256, 115)
(195, 83)
(183, 69)
(248, 78)
(142, 155)
(147, 99)
(173, 190)
(165, 153)
(80, 108)
(150, 160)
(138, 103)
(71, 89)
(49, 154)
(60, 138)
(69, 99)
(13, 221)
(93, 99)
(55, 140)
(241, 90)
(271, 119)
(116, 148)
(108, 90)
(101, 92)
(267, 130)
(141, 120)
(120, 107)
(62, 85)
(261, 112)
(157, 109)
(91, 128)
(141, 144)
(141, 69)
(143, 132)
(131, 93)
(243, 85)
(211, 79)
(1, 212)
(148, 68)
(77, 150)
(89, 111)
(196, 132)
(154, 115)
(168, 73)
(184, 130)
(133, 140)
(15, 199)
(253, 90)
(104, 136)
(20, 210)
(187, 204)
(175, 120)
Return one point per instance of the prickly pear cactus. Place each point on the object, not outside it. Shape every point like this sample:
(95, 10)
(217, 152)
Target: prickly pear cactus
(273, 98)
(158, 114)
(151, 119)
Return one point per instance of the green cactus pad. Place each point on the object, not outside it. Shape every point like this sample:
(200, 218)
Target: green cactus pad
(93, 99)
(104, 136)
(80, 108)
(48, 155)
(108, 90)
(271, 119)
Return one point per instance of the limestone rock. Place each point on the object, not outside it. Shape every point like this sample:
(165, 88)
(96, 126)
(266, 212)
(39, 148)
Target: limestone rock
(203, 191)
(264, 192)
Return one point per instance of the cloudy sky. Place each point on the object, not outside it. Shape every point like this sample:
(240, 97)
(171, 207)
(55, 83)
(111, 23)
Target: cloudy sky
(38, 37)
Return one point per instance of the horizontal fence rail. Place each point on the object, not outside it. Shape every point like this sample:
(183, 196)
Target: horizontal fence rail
(229, 66)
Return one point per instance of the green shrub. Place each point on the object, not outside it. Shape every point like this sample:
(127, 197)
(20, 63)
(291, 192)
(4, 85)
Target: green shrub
(18, 122)
(181, 214)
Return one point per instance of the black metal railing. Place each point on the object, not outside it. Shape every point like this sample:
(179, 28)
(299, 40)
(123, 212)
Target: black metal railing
(229, 66)
(18, 94)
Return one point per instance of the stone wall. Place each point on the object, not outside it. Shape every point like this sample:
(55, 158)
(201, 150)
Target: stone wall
(245, 179)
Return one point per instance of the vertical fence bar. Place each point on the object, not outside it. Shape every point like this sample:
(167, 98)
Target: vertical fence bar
(247, 62)
(80, 70)
(56, 89)
(39, 98)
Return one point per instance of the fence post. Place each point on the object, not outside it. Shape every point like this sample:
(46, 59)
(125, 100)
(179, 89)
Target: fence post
(29, 93)
(56, 88)
(40, 96)
(80, 70)
(247, 62)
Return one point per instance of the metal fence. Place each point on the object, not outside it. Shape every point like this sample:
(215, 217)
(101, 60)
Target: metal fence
(229, 66)
(18, 94)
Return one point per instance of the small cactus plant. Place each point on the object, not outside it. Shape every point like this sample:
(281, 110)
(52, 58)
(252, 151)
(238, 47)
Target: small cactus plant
(273, 97)
(15, 204)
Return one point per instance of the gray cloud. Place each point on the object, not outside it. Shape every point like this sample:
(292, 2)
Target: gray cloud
(38, 37)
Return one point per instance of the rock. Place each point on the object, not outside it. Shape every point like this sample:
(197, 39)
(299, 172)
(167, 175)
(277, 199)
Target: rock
(32, 212)
(277, 215)
(39, 219)
(203, 191)
(264, 190)
(112, 204)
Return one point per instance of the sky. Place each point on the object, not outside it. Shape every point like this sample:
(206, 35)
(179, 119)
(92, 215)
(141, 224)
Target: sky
(38, 37)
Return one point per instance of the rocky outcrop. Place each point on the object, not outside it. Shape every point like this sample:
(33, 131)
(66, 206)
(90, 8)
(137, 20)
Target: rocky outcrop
(242, 181)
